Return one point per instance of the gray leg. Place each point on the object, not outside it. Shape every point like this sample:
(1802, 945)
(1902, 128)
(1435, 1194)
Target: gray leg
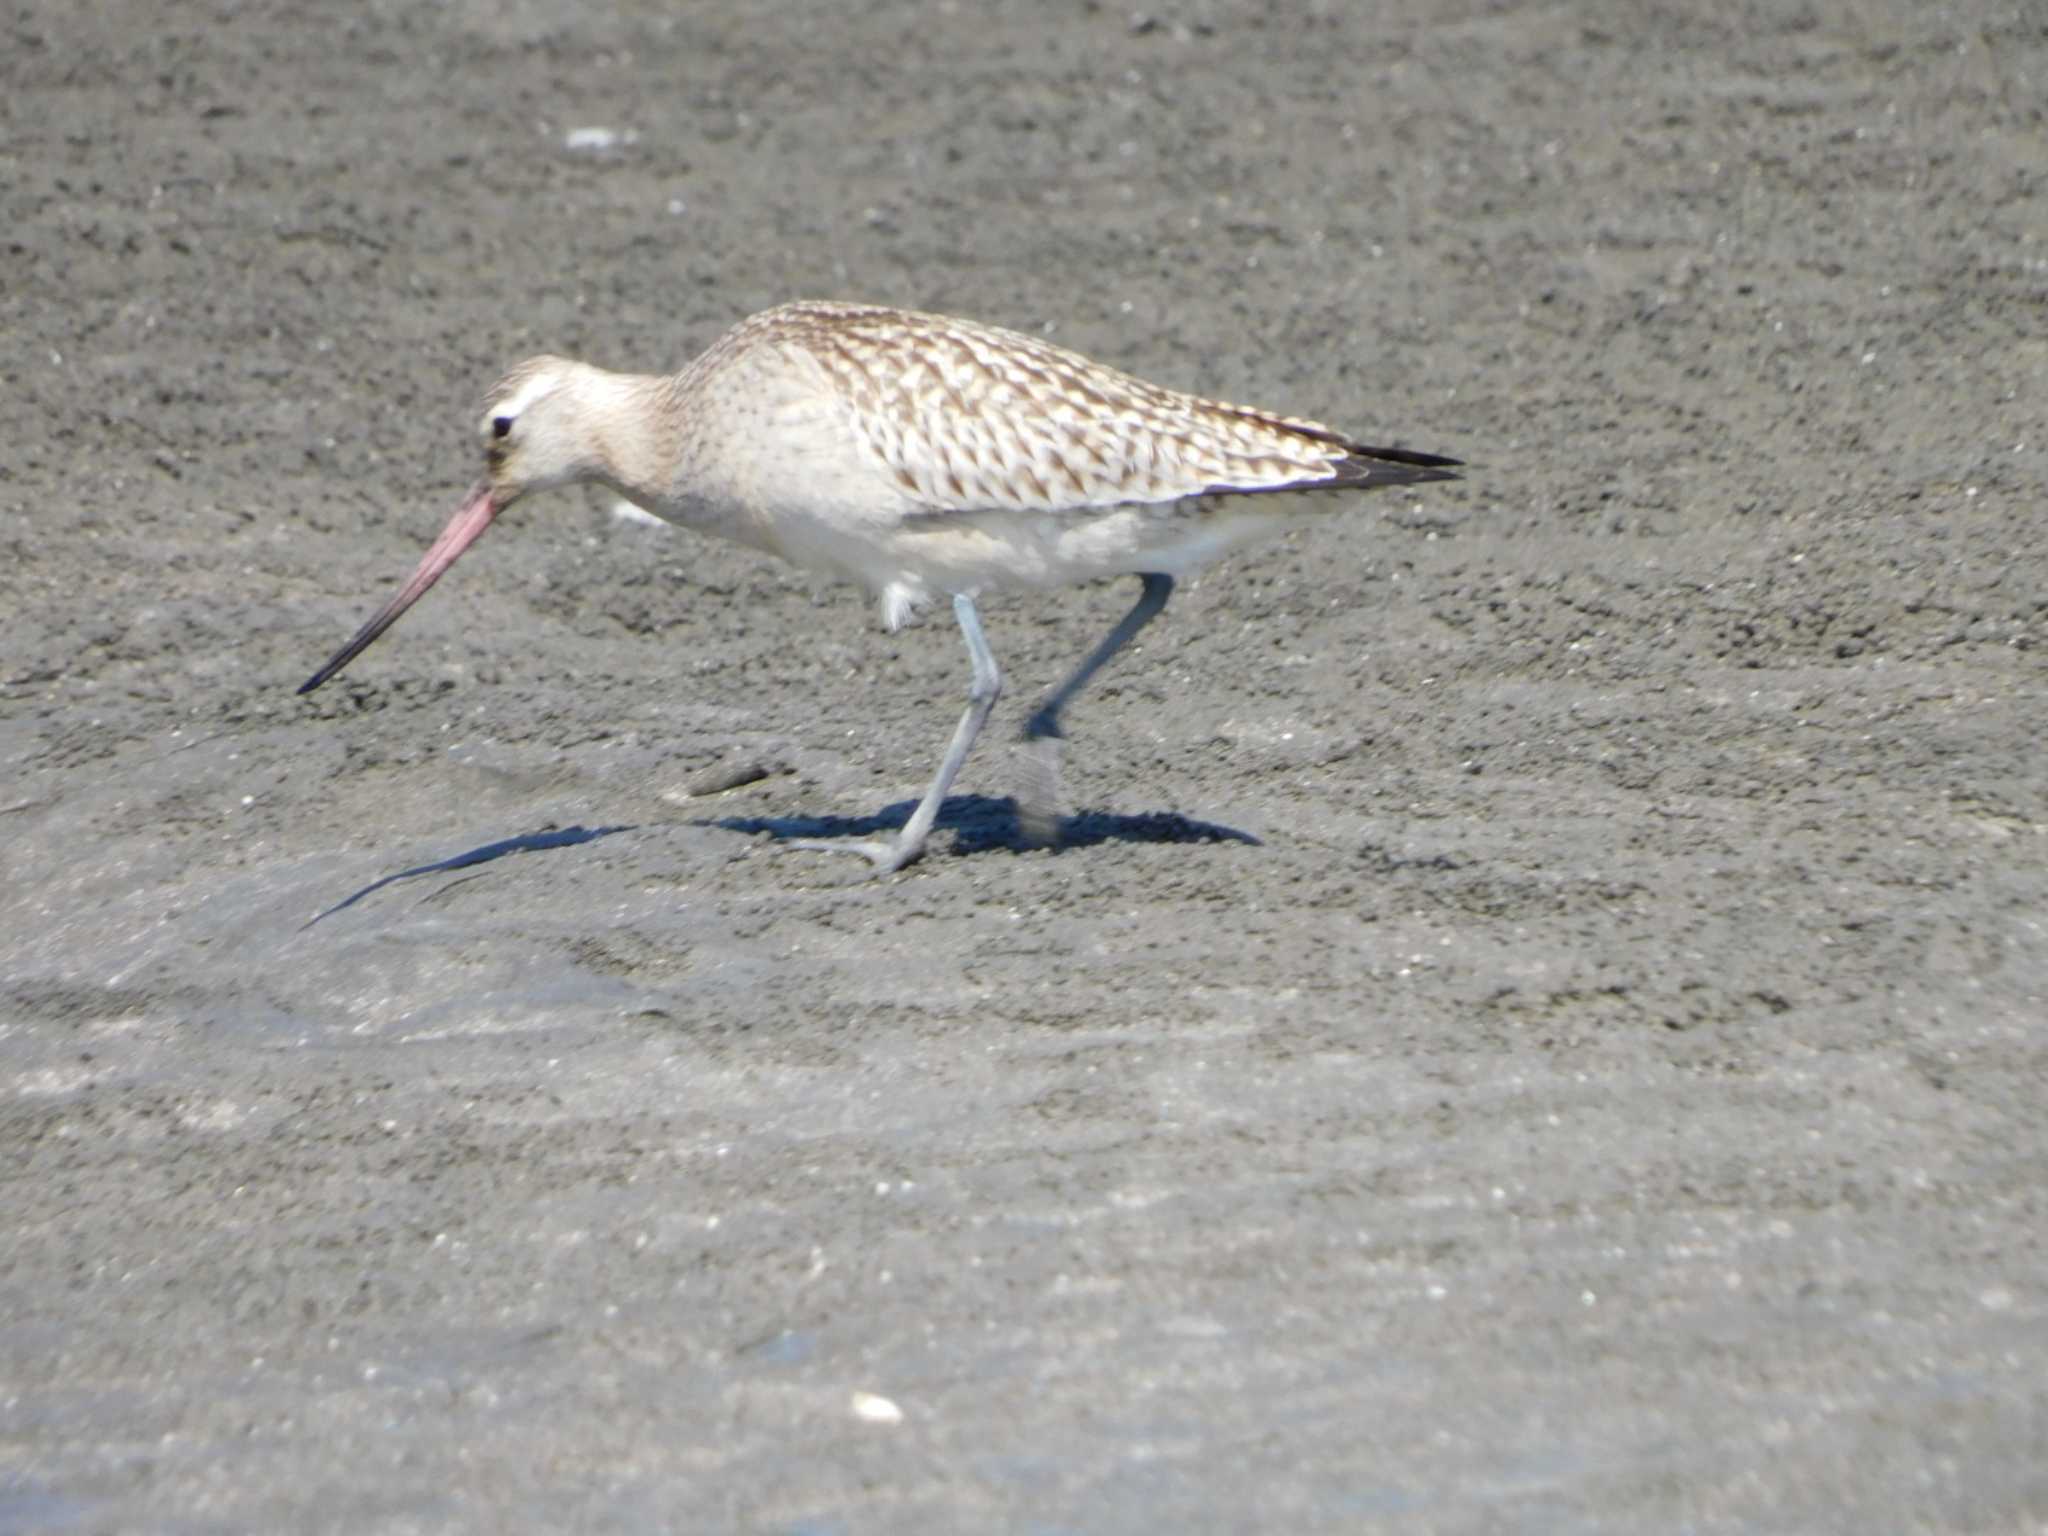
(888, 857)
(1038, 801)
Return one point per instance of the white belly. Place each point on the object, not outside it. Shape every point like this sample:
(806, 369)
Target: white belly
(929, 556)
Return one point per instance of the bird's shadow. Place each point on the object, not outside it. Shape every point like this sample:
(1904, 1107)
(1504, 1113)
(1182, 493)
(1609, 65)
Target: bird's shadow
(528, 842)
(982, 823)
(979, 823)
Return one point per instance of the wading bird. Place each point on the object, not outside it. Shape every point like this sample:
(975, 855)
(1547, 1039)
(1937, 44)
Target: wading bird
(918, 456)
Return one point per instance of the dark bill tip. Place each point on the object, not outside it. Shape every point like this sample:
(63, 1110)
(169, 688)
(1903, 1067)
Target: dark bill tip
(463, 530)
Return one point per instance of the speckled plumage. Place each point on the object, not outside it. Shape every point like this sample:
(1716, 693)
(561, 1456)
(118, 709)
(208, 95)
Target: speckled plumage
(920, 456)
(973, 418)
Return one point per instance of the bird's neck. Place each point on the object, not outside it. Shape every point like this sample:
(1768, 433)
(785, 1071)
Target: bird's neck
(635, 439)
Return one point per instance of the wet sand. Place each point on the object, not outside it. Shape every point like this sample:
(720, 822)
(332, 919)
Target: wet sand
(1539, 1024)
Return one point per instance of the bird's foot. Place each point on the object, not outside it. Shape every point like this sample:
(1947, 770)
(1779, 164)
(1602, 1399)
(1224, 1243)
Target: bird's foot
(1039, 820)
(887, 857)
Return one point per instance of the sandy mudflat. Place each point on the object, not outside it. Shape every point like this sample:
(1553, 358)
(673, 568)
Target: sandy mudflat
(1608, 1095)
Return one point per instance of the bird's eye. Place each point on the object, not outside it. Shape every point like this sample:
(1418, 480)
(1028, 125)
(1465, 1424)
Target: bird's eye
(501, 426)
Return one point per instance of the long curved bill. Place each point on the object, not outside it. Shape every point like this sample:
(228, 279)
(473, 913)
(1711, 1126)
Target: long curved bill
(463, 530)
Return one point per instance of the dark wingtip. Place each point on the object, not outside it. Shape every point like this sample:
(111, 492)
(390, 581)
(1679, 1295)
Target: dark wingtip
(1404, 456)
(1364, 469)
(1373, 467)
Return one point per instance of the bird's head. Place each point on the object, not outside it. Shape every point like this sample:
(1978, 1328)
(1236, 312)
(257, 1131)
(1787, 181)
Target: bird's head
(542, 427)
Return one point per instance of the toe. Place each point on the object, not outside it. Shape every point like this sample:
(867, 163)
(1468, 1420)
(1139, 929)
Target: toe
(886, 858)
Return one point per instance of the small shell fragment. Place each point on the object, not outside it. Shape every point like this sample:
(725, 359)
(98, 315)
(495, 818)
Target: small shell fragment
(872, 1409)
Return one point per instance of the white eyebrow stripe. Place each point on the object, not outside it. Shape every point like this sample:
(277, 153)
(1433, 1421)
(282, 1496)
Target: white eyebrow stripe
(528, 392)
